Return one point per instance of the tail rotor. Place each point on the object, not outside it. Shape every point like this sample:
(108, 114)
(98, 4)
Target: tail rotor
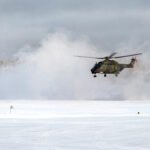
(133, 61)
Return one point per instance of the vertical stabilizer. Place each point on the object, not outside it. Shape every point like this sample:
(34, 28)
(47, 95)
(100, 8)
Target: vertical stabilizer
(133, 60)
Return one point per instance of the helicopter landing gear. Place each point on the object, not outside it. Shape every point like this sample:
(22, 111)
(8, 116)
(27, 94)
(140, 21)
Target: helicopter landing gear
(104, 75)
(116, 75)
(95, 76)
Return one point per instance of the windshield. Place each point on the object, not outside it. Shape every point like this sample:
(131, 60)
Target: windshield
(96, 66)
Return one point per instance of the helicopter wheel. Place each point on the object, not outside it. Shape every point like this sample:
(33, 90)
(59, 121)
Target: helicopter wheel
(95, 76)
(104, 75)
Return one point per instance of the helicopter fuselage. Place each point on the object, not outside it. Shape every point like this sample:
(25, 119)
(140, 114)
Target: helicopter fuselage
(110, 67)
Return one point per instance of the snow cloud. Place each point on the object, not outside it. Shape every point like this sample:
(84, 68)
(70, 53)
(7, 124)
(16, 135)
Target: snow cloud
(52, 72)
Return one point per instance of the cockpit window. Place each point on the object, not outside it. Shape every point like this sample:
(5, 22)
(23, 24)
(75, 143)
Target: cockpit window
(99, 64)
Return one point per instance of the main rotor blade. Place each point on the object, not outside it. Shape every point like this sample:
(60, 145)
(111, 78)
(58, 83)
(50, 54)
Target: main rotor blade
(127, 55)
(91, 57)
(112, 55)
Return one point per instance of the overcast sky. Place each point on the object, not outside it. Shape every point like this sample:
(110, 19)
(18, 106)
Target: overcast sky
(107, 24)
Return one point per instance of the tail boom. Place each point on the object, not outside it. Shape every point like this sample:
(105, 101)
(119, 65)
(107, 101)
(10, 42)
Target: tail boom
(130, 65)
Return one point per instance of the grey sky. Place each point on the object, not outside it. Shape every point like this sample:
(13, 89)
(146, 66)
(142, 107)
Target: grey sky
(107, 24)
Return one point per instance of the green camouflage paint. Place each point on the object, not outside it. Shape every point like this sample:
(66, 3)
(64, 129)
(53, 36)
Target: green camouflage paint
(113, 67)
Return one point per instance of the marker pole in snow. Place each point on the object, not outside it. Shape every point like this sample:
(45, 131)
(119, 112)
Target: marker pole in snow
(11, 107)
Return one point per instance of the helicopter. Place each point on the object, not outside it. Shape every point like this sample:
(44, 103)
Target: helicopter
(109, 66)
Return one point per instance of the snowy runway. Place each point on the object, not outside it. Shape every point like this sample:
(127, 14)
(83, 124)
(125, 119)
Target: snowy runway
(74, 125)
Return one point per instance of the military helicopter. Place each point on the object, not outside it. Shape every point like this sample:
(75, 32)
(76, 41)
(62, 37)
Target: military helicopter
(109, 66)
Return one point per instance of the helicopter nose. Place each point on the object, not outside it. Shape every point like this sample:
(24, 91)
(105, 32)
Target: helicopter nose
(93, 71)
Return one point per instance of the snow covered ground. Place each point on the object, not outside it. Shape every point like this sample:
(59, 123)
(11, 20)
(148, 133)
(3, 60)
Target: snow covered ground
(74, 125)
